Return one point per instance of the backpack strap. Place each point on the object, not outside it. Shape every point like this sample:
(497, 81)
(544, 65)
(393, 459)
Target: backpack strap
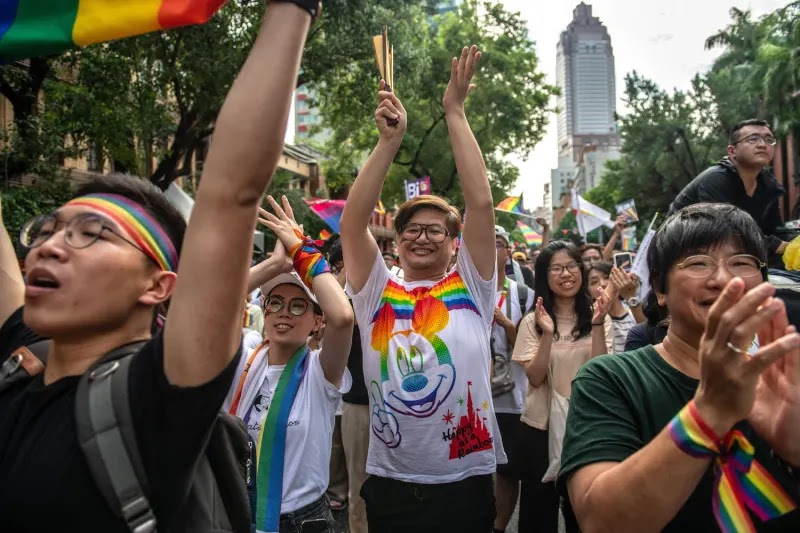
(107, 438)
(24, 362)
(522, 292)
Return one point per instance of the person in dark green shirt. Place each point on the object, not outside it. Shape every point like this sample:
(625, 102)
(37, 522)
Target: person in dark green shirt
(620, 468)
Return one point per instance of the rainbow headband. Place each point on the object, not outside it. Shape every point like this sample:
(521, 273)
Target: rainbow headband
(148, 234)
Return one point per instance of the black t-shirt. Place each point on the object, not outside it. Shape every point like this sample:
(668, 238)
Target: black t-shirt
(621, 402)
(45, 483)
(355, 364)
(14, 334)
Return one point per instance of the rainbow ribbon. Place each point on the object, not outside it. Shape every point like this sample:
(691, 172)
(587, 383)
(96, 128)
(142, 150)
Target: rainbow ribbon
(740, 482)
(145, 230)
(308, 260)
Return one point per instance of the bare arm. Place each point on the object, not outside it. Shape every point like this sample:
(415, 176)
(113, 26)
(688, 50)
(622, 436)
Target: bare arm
(358, 245)
(638, 314)
(608, 251)
(478, 230)
(339, 321)
(545, 231)
(12, 285)
(203, 330)
(622, 497)
(536, 368)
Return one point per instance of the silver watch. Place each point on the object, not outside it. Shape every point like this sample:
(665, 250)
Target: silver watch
(634, 302)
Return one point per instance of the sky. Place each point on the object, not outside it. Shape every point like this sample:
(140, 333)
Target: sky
(662, 40)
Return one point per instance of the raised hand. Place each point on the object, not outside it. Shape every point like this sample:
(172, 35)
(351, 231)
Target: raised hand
(729, 376)
(390, 116)
(543, 320)
(461, 72)
(282, 223)
(625, 283)
(776, 409)
(619, 223)
(602, 305)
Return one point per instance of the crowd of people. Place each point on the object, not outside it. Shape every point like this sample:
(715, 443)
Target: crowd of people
(153, 380)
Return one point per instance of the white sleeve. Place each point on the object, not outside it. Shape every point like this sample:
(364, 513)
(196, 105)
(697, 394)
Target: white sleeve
(367, 300)
(482, 291)
(331, 392)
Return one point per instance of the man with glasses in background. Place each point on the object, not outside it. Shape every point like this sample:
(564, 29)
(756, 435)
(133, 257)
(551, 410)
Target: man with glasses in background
(742, 179)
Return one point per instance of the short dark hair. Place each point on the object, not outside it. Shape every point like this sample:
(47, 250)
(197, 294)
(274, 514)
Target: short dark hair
(583, 301)
(734, 138)
(693, 230)
(604, 267)
(427, 201)
(144, 193)
(587, 246)
(335, 253)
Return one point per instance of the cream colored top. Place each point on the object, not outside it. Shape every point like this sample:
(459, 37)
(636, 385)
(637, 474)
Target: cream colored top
(567, 356)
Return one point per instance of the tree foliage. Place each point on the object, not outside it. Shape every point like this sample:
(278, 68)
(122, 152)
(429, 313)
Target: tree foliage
(507, 112)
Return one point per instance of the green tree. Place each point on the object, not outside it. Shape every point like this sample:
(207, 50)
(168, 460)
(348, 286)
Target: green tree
(508, 110)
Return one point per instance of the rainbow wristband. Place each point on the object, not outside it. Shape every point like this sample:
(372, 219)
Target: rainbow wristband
(308, 260)
(740, 482)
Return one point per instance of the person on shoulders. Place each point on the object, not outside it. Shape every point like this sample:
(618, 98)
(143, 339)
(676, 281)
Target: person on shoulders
(285, 376)
(99, 267)
(743, 179)
(425, 338)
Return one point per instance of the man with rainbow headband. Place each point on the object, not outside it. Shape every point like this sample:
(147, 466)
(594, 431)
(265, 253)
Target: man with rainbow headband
(434, 443)
(286, 393)
(98, 268)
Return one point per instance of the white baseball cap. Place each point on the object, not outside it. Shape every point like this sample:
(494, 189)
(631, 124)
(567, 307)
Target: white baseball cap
(287, 279)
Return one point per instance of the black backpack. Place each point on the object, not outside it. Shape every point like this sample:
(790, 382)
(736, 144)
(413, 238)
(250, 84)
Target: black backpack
(222, 495)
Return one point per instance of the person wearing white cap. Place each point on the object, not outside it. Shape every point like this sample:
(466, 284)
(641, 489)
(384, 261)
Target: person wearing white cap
(286, 393)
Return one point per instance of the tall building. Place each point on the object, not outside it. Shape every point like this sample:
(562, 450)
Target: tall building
(587, 130)
(447, 5)
(306, 117)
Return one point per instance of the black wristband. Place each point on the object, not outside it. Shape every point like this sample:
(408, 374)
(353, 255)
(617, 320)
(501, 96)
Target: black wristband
(598, 324)
(311, 6)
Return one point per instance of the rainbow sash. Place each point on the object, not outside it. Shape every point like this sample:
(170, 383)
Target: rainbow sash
(740, 482)
(272, 443)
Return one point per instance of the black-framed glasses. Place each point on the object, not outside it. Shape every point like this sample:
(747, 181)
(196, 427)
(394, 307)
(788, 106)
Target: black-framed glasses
(435, 233)
(702, 266)
(81, 231)
(557, 270)
(295, 306)
(755, 138)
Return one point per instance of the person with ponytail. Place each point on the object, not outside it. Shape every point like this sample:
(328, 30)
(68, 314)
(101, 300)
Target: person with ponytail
(286, 393)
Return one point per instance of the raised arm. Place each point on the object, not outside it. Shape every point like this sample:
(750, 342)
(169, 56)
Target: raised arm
(479, 224)
(339, 319)
(608, 251)
(203, 328)
(12, 286)
(358, 245)
(545, 231)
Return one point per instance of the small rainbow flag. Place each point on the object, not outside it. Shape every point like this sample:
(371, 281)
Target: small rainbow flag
(531, 237)
(324, 235)
(330, 211)
(30, 28)
(512, 204)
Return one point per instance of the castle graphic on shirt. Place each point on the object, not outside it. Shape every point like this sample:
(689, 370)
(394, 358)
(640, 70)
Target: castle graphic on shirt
(472, 433)
(417, 371)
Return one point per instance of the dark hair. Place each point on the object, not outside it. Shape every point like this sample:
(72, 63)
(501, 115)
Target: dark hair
(427, 201)
(335, 253)
(734, 138)
(603, 267)
(583, 302)
(145, 194)
(695, 229)
(587, 246)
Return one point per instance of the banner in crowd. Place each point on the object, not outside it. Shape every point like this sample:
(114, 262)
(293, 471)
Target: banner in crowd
(628, 209)
(629, 238)
(640, 261)
(589, 216)
(330, 211)
(418, 187)
(531, 237)
(30, 28)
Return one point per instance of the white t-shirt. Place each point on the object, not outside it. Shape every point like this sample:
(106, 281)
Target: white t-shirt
(306, 466)
(250, 341)
(512, 401)
(426, 366)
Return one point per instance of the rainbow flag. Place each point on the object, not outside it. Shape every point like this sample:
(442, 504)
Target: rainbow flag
(30, 28)
(512, 204)
(531, 237)
(330, 211)
(324, 235)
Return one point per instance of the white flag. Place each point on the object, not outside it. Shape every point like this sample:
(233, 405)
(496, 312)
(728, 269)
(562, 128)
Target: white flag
(639, 266)
(589, 216)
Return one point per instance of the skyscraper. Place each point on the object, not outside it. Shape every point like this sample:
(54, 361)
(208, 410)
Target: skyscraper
(587, 131)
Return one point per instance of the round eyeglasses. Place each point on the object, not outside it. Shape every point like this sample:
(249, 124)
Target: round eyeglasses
(702, 266)
(295, 306)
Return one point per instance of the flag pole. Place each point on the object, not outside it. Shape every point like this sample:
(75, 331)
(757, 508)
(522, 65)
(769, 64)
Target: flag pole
(532, 217)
